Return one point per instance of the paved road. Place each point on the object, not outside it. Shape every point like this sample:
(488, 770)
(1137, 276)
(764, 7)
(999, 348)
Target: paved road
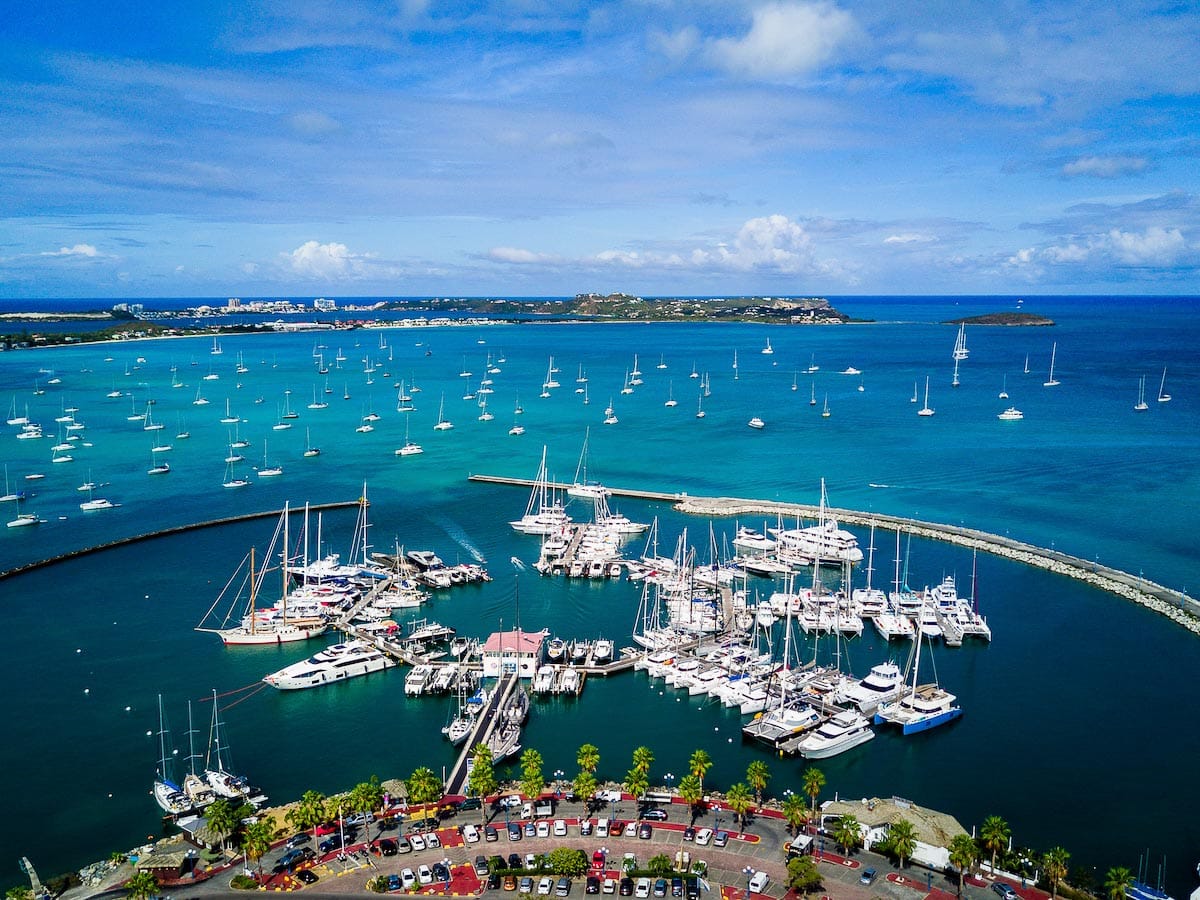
(761, 849)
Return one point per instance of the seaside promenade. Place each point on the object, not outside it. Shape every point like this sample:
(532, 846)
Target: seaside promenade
(1178, 607)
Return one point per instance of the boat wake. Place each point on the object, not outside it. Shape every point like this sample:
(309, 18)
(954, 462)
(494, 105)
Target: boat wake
(459, 537)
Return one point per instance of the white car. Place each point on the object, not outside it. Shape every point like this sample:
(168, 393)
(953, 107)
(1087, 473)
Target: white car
(560, 828)
(408, 878)
(545, 886)
(470, 834)
(512, 801)
(703, 837)
(758, 882)
(424, 874)
(432, 841)
(631, 829)
(417, 841)
(609, 886)
(543, 828)
(643, 888)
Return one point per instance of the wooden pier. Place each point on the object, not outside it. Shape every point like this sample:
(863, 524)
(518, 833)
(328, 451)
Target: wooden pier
(485, 724)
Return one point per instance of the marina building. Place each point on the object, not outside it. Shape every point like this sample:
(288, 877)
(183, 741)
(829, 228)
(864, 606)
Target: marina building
(513, 651)
(934, 830)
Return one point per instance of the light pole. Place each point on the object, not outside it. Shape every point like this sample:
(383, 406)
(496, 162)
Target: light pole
(558, 775)
(749, 873)
(670, 780)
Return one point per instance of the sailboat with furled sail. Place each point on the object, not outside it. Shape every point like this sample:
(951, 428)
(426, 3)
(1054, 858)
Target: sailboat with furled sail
(271, 625)
(167, 793)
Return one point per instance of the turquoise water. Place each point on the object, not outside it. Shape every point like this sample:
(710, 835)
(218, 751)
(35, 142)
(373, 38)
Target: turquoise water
(1079, 698)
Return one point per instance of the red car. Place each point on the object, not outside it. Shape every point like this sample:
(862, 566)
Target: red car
(326, 828)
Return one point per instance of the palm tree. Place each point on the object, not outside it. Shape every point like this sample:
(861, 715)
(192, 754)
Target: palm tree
(364, 798)
(423, 786)
(794, 811)
(757, 776)
(903, 838)
(532, 780)
(691, 791)
(1117, 882)
(699, 765)
(142, 884)
(643, 758)
(482, 781)
(962, 856)
(995, 834)
(584, 787)
(309, 811)
(222, 819)
(588, 757)
(739, 800)
(848, 833)
(637, 782)
(256, 840)
(1054, 864)
(814, 780)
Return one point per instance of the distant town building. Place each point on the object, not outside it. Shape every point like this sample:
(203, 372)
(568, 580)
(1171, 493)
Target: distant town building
(325, 305)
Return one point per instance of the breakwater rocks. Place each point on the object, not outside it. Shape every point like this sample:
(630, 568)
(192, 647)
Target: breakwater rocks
(1175, 606)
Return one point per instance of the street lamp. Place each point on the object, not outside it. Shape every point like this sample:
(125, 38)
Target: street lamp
(670, 780)
(749, 873)
(558, 775)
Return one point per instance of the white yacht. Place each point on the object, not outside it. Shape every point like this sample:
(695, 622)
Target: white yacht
(336, 663)
(883, 684)
(841, 733)
(1012, 414)
(544, 514)
(824, 541)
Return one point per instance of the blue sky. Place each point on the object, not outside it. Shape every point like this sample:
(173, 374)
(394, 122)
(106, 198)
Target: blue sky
(649, 146)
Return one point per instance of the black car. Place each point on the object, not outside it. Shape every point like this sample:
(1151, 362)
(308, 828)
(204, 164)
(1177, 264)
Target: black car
(331, 843)
(388, 847)
(514, 831)
(296, 840)
(676, 887)
(592, 886)
(307, 876)
(689, 833)
(441, 872)
(515, 861)
(692, 887)
(471, 803)
(490, 833)
(625, 888)
(493, 881)
(655, 815)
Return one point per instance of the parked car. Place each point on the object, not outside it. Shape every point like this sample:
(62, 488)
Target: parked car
(424, 874)
(585, 827)
(403, 844)
(626, 887)
(307, 876)
(493, 881)
(512, 801)
(563, 887)
(660, 887)
(592, 885)
(758, 882)
(471, 803)
(676, 887)
(691, 888)
(645, 831)
(609, 886)
(721, 838)
(393, 882)
(526, 884)
(643, 888)
(560, 828)
(867, 877)
(408, 878)
(417, 841)
(530, 829)
(514, 861)
(432, 841)
(359, 818)
(689, 833)
(441, 872)
(490, 833)
(331, 843)
(326, 828)
(470, 833)
(1005, 891)
(545, 886)
(296, 840)
(388, 847)
(703, 836)
(510, 882)
(543, 829)
(514, 831)
(481, 865)
(655, 815)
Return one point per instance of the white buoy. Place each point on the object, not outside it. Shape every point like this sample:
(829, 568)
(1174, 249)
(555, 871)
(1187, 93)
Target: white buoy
(78, 649)
(87, 690)
(128, 708)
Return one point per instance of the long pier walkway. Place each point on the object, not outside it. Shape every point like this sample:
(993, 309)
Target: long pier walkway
(1175, 605)
(485, 724)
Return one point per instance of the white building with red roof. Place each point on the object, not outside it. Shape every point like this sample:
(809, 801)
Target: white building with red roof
(513, 651)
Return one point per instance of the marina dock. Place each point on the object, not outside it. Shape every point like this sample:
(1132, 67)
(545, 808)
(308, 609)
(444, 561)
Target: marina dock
(485, 723)
(1178, 607)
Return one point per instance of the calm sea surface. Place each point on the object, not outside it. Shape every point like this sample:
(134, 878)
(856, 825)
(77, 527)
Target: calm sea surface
(1080, 723)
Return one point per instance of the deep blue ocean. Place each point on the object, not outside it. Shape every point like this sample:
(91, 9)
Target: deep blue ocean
(1080, 723)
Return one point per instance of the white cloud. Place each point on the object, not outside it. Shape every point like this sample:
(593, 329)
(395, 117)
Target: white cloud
(909, 238)
(78, 250)
(325, 261)
(786, 39)
(517, 255)
(313, 124)
(1154, 246)
(1105, 166)
(678, 45)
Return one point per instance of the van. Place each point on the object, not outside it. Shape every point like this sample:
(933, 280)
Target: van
(602, 828)
(758, 882)
(527, 811)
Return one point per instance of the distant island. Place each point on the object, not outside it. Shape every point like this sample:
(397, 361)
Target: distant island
(619, 307)
(1003, 318)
